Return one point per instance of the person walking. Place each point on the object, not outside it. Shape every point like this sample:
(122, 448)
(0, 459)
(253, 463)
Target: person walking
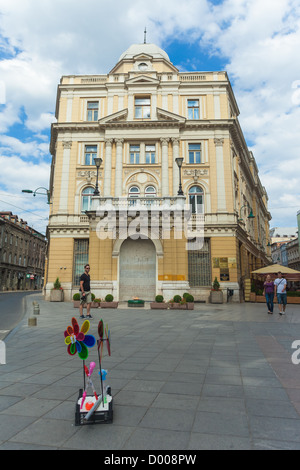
(280, 290)
(269, 293)
(85, 289)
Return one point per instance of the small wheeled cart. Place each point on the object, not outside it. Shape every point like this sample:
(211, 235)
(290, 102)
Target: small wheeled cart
(94, 411)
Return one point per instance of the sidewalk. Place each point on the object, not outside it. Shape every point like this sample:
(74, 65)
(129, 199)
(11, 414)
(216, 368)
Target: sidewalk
(218, 377)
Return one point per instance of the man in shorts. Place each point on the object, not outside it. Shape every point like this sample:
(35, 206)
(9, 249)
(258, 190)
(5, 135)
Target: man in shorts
(280, 291)
(85, 290)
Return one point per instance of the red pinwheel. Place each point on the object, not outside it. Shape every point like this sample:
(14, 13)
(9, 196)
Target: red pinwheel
(77, 340)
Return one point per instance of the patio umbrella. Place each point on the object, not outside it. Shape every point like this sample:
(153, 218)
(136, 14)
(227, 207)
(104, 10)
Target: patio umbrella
(273, 269)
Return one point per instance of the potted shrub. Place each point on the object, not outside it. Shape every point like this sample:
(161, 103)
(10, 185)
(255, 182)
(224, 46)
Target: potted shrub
(76, 300)
(159, 303)
(189, 301)
(177, 303)
(57, 292)
(216, 294)
(96, 302)
(108, 302)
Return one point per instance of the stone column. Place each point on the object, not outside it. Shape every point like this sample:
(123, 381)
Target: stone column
(221, 192)
(175, 141)
(107, 168)
(64, 185)
(164, 167)
(119, 168)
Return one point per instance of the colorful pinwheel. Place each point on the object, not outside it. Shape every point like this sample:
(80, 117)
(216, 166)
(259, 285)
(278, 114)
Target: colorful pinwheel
(77, 340)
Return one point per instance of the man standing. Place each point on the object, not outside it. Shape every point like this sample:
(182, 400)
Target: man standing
(280, 291)
(85, 289)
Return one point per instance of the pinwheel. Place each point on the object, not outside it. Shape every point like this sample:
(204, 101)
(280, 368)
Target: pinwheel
(77, 340)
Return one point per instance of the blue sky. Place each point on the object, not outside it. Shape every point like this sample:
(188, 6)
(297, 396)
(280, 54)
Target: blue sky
(256, 42)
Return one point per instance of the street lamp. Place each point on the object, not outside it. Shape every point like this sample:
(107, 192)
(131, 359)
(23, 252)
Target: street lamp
(36, 191)
(179, 161)
(250, 216)
(97, 162)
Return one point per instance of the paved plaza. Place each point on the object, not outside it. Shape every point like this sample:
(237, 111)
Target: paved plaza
(217, 377)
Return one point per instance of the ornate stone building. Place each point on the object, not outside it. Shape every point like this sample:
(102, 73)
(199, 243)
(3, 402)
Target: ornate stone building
(139, 119)
(22, 254)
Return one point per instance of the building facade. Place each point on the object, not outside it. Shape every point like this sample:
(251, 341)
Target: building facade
(22, 254)
(139, 119)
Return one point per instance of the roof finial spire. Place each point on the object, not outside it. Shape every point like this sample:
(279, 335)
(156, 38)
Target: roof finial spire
(145, 36)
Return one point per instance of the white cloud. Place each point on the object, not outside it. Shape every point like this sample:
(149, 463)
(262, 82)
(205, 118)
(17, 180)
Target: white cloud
(260, 41)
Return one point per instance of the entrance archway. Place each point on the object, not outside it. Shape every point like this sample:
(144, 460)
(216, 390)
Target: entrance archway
(137, 270)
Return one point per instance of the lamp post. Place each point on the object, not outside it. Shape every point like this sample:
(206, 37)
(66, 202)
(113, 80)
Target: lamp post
(250, 216)
(98, 162)
(36, 191)
(179, 161)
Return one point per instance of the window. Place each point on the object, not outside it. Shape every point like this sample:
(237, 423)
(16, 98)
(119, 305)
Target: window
(143, 66)
(92, 110)
(150, 154)
(86, 201)
(194, 153)
(81, 258)
(150, 191)
(142, 108)
(134, 193)
(134, 154)
(196, 199)
(90, 153)
(193, 109)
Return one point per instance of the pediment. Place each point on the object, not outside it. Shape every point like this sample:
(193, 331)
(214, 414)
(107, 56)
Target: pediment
(143, 57)
(143, 80)
(118, 116)
(163, 114)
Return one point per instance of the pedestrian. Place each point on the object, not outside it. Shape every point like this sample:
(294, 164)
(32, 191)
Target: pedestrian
(280, 291)
(85, 289)
(269, 293)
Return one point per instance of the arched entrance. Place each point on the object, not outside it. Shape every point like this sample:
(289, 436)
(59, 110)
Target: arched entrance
(137, 270)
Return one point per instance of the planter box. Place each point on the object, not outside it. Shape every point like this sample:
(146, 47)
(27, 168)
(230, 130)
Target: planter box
(76, 304)
(109, 304)
(136, 303)
(159, 305)
(190, 305)
(216, 297)
(176, 306)
(252, 297)
(56, 295)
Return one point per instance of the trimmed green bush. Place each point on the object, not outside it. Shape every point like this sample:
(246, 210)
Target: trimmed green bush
(293, 294)
(57, 284)
(189, 298)
(76, 296)
(109, 298)
(93, 297)
(159, 298)
(177, 299)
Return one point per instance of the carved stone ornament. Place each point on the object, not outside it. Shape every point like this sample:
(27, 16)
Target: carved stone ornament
(195, 173)
(219, 142)
(67, 144)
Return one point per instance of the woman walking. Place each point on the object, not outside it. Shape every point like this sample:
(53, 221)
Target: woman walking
(269, 293)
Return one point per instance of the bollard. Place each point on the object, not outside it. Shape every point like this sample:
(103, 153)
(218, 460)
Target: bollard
(36, 309)
(32, 321)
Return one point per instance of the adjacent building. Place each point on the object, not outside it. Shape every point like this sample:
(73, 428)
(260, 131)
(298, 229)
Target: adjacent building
(22, 254)
(142, 120)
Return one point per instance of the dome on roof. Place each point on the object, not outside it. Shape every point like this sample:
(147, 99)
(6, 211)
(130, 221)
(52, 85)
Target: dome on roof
(150, 49)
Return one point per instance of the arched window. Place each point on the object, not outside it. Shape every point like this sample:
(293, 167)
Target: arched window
(196, 199)
(150, 191)
(86, 199)
(134, 193)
